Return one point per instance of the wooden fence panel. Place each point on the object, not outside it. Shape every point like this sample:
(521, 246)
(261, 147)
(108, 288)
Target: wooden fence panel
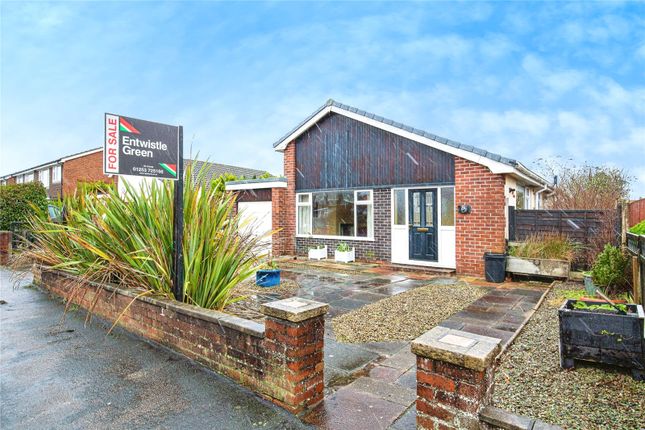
(636, 212)
(579, 225)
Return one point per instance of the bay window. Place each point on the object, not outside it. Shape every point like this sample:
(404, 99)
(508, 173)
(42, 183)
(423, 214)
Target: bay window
(335, 213)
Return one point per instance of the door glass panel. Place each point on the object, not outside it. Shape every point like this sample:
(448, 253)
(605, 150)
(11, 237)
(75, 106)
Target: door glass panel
(429, 209)
(448, 206)
(416, 208)
(399, 207)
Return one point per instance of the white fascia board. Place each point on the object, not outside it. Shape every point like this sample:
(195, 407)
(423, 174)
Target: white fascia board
(82, 154)
(281, 147)
(495, 166)
(33, 169)
(256, 185)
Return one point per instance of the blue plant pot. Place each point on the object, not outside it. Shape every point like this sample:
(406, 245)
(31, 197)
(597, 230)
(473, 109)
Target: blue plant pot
(267, 277)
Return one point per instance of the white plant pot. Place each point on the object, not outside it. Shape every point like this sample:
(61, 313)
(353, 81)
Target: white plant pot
(318, 253)
(344, 256)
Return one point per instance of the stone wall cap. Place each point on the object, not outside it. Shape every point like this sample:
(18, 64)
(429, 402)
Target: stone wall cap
(458, 347)
(294, 309)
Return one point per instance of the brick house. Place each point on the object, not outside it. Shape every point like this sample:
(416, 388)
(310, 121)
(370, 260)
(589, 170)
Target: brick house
(395, 193)
(61, 177)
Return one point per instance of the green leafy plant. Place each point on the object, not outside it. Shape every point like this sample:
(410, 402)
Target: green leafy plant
(343, 247)
(318, 247)
(552, 247)
(94, 187)
(579, 305)
(128, 241)
(638, 228)
(18, 202)
(610, 270)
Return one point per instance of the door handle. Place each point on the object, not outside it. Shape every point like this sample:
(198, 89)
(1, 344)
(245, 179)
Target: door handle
(422, 230)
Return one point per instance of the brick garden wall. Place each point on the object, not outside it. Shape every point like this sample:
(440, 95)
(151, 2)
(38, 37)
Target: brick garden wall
(483, 229)
(86, 168)
(281, 360)
(378, 249)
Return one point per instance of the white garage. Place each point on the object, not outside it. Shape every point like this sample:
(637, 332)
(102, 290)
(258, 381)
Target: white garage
(256, 219)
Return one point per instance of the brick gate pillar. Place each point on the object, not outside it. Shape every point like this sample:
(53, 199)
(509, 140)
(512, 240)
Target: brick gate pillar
(5, 247)
(455, 375)
(294, 333)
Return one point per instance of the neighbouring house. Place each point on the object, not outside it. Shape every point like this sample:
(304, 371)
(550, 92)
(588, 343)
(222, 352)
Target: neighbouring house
(61, 177)
(395, 193)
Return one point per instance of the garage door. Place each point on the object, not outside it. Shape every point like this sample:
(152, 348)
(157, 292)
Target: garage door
(258, 215)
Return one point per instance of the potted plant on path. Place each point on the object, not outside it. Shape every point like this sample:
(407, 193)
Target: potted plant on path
(318, 252)
(269, 276)
(344, 253)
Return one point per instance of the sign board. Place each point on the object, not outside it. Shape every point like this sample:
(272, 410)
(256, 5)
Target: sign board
(140, 148)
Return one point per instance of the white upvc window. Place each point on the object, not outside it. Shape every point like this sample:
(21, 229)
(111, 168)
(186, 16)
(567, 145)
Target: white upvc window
(43, 177)
(29, 177)
(19, 179)
(56, 173)
(335, 214)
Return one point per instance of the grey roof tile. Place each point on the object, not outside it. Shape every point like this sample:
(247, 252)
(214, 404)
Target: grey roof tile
(215, 170)
(331, 102)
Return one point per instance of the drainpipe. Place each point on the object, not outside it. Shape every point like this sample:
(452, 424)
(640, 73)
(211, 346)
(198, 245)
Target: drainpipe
(545, 188)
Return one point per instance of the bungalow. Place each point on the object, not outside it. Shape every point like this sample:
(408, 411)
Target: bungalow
(395, 193)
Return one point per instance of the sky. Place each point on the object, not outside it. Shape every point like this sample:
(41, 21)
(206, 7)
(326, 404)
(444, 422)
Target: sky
(530, 81)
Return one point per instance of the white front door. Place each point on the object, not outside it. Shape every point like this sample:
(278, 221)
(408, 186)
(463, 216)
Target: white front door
(257, 219)
(402, 222)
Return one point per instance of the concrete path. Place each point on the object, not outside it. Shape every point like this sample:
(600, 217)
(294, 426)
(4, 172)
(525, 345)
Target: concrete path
(55, 375)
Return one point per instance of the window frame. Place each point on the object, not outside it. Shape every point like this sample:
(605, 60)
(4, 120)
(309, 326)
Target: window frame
(28, 177)
(56, 179)
(369, 203)
(40, 177)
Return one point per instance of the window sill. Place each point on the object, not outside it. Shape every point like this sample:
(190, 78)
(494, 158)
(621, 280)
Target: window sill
(347, 238)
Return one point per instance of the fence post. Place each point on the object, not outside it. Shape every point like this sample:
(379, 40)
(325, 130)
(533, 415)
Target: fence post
(636, 279)
(5, 247)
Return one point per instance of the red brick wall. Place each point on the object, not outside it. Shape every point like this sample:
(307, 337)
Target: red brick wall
(286, 221)
(484, 228)
(281, 360)
(11, 180)
(85, 168)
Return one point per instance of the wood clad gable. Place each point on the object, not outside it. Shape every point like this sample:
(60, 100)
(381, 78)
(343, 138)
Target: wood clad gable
(340, 153)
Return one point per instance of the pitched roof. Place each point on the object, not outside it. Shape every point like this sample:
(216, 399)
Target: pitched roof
(49, 163)
(215, 170)
(448, 145)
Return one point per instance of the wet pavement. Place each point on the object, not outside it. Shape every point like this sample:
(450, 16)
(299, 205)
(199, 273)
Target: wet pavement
(69, 376)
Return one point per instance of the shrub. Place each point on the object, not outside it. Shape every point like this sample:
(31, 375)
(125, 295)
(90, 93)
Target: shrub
(94, 187)
(20, 201)
(610, 270)
(343, 247)
(638, 228)
(552, 247)
(129, 241)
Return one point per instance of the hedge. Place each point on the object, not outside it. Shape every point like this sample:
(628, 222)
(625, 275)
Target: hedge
(16, 202)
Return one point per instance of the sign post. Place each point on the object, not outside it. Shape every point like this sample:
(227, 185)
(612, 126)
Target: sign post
(136, 147)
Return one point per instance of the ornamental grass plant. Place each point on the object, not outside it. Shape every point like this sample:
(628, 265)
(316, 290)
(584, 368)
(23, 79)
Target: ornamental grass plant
(127, 240)
(552, 247)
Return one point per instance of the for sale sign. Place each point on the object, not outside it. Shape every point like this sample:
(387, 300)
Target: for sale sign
(140, 148)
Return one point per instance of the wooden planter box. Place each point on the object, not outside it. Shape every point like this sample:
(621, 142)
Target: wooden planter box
(318, 253)
(603, 337)
(344, 256)
(538, 267)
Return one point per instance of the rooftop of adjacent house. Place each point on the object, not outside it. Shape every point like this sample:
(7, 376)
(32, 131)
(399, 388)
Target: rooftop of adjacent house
(212, 170)
(343, 109)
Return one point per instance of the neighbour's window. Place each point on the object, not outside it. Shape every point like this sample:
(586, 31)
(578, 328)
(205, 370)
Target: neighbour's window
(43, 177)
(56, 174)
(399, 207)
(29, 177)
(448, 206)
(335, 213)
(519, 197)
(19, 179)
